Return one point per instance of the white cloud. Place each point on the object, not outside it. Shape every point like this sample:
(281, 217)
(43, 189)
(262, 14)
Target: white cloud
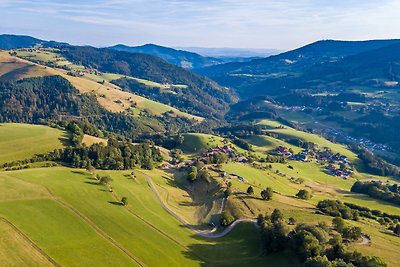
(232, 23)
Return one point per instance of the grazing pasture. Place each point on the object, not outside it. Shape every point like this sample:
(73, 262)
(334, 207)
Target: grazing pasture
(22, 141)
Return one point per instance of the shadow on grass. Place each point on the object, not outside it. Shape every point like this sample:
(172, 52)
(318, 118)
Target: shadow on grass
(241, 247)
(246, 196)
(91, 182)
(79, 172)
(115, 203)
(65, 139)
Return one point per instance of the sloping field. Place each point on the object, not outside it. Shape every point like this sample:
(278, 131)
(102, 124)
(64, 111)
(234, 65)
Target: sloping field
(194, 142)
(22, 141)
(89, 140)
(17, 250)
(109, 96)
(76, 206)
(12, 68)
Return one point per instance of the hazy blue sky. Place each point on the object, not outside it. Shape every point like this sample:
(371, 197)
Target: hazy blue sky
(208, 23)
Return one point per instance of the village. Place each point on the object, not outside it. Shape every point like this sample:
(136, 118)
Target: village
(334, 164)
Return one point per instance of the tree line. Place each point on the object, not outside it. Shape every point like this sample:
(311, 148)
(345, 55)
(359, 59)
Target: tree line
(378, 190)
(115, 156)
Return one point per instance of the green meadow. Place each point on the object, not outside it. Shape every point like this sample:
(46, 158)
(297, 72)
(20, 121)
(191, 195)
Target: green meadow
(21, 141)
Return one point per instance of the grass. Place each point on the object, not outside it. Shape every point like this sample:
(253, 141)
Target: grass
(194, 142)
(89, 140)
(48, 56)
(198, 207)
(43, 191)
(22, 141)
(16, 250)
(384, 244)
(158, 230)
(109, 77)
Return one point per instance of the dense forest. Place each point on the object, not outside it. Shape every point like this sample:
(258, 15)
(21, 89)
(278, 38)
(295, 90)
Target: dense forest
(115, 156)
(36, 99)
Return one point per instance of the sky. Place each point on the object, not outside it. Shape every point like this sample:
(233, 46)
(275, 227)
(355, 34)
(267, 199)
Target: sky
(265, 24)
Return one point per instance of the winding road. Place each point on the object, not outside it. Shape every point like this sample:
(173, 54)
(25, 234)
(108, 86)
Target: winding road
(365, 241)
(206, 234)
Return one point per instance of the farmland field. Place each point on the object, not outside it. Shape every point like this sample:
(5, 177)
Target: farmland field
(22, 141)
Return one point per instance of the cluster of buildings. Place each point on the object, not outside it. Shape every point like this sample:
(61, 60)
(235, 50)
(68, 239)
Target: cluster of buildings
(340, 172)
(288, 153)
(337, 164)
(226, 150)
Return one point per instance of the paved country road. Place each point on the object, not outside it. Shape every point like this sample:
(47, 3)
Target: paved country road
(205, 234)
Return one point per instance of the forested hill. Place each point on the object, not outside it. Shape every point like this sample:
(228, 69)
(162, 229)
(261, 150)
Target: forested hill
(207, 97)
(180, 58)
(34, 100)
(10, 41)
(303, 67)
(317, 52)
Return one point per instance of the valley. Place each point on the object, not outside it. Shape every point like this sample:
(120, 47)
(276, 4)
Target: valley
(119, 158)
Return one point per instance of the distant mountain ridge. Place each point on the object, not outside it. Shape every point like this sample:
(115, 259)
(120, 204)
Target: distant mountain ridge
(223, 53)
(10, 41)
(180, 58)
(292, 69)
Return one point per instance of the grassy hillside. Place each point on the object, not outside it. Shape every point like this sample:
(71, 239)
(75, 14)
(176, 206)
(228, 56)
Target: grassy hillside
(17, 250)
(193, 142)
(60, 209)
(322, 186)
(22, 141)
(111, 97)
(89, 140)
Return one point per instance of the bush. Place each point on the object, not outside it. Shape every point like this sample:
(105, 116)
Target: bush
(226, 218)
(124, 201)
(267, 193)
(303, 194)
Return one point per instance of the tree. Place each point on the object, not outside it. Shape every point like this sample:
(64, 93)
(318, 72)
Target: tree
(352, 233)
(205, 175)
(192, 176)
(396, 230)
(276, 216)
(339, 224)
(226, 218)
(90, 169)
(267, 193)
(260, 219)
(228, 192)
(274, 236)
(105, 180)
(124, 201)
(292, 221)
(306, 244)
(318, 261)
(303, 194)
(250, 190)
